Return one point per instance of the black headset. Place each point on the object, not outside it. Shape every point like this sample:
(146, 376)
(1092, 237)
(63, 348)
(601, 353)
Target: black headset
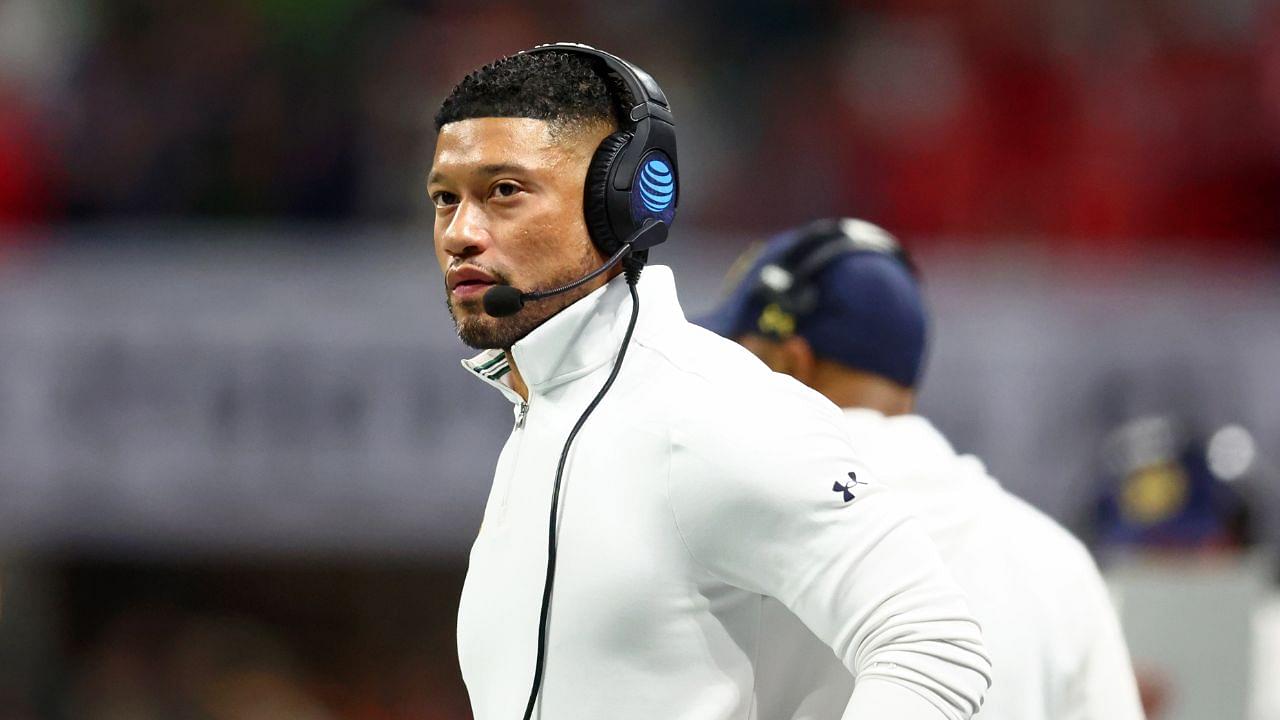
(633, 175)
(786, 286)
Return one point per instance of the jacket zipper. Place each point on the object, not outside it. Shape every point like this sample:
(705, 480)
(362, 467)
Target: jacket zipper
(515, 460)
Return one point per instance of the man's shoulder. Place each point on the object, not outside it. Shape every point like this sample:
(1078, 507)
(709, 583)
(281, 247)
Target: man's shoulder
(1041, 536)
(702, 384)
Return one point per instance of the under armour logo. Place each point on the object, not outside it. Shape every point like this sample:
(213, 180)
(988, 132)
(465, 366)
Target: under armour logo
(847, 488)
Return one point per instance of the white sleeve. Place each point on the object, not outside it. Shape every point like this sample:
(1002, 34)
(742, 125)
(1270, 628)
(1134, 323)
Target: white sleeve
(1104, 686)
(768, 515)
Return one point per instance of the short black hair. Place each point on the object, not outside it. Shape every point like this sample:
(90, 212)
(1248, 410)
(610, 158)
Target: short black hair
(563, 88)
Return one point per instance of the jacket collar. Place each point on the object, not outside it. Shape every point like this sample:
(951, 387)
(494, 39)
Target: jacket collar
(584, 336)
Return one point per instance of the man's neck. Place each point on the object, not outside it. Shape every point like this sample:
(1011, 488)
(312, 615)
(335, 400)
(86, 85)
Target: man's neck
(517, 381)
(850, 388)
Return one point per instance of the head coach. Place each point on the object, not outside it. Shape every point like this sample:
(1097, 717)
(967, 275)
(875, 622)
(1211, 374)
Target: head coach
(666, 509)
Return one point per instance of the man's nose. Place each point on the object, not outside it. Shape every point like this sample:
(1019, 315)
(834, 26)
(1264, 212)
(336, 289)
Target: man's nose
(467, 232)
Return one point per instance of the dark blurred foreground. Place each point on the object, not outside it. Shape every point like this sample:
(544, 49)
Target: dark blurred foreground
(304, 640)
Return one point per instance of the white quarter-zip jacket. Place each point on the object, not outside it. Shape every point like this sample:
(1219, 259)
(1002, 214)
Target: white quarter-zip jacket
(1052, 634)
(709, 509)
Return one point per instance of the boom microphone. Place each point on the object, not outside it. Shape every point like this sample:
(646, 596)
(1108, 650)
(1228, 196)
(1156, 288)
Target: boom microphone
(504, 300)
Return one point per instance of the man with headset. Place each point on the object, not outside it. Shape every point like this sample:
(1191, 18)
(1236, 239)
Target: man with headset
(836, 305)
(651, 532)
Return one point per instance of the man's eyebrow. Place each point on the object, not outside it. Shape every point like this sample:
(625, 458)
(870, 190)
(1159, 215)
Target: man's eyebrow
(499, 168)
(484, 170)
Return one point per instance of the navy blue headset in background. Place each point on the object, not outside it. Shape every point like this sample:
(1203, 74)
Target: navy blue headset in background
(788, 282)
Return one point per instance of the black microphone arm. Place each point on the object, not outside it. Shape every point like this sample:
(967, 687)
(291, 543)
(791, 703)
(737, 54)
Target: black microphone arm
(622, 251)
(504, 300)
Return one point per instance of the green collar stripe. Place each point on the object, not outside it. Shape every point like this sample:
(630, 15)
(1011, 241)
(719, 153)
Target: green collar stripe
(495, 370)
(491, 362)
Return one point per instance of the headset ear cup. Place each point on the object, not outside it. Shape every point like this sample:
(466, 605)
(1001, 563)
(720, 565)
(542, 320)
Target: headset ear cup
(595, 201)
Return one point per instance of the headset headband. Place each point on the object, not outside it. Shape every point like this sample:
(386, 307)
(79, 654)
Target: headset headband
(825, 240)
(787, 283)
(651, 120)
(643, 88)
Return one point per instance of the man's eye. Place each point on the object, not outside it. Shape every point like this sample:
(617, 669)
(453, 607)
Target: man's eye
(505, 189)
(444, 199)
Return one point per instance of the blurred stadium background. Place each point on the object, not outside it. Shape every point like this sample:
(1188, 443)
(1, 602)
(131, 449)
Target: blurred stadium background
(240, 468)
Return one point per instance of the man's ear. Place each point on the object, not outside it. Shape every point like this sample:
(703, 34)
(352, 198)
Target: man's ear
(797, 359)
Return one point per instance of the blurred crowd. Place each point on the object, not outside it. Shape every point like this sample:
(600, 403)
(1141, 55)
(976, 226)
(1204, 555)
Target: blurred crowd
(155, 665)
(247, 641)
(1102, 124)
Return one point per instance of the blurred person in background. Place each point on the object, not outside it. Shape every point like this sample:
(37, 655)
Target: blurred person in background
(1185, 498)
(699, 529)
(837, 305)
(1170, 490)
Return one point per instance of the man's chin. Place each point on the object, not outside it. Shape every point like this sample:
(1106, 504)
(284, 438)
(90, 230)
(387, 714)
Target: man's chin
(466, 308)
(482, 332)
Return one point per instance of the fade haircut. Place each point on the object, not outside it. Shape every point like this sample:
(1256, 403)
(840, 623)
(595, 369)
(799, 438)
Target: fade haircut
(562, 88)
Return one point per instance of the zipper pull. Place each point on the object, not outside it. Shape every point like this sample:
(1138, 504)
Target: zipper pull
(524, 410)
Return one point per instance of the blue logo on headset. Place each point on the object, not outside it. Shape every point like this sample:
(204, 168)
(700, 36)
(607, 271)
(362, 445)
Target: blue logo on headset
(657, 185)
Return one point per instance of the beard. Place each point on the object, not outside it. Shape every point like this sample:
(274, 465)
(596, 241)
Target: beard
(482, 331)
